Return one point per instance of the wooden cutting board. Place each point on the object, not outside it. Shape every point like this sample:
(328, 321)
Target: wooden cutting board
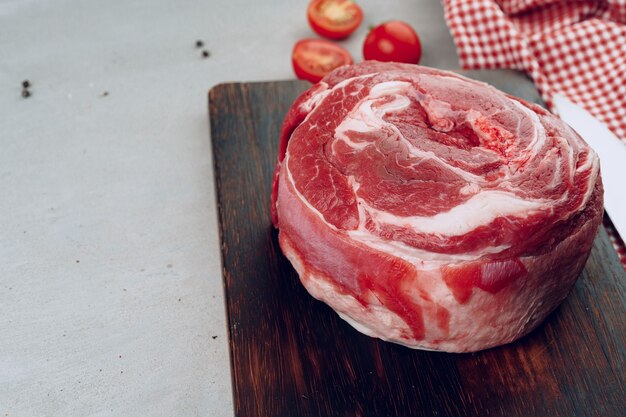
(291, 355)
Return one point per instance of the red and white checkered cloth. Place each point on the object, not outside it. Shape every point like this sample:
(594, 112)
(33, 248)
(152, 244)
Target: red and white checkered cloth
(576, 48)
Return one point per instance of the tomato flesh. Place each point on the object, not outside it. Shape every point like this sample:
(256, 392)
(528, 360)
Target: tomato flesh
(334, 19)
(312, 59)
(393, 41)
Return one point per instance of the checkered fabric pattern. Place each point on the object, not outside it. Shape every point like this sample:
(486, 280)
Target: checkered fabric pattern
(576, 48)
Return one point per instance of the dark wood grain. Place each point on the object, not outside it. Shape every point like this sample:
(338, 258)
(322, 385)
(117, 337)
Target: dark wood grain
(292, 356)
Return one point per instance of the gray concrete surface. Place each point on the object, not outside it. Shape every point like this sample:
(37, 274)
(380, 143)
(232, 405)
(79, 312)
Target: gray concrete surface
(110, 287)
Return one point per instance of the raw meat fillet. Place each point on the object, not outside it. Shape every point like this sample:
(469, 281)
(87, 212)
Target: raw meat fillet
(432, 210)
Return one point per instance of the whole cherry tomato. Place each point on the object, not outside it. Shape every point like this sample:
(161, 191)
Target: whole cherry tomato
(393, 41)
(334, 19)
(312, 59)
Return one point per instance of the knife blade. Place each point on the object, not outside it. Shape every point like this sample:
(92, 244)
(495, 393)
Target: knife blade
(612, 153)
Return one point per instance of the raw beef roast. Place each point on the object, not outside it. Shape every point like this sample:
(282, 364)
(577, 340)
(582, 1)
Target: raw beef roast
(431, 210)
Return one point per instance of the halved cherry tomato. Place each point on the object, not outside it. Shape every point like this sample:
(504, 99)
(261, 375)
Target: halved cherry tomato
(393, 41)
(334, 19)
(312, 59)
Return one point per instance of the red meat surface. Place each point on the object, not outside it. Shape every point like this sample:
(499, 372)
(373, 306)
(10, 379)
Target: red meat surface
(432, 210)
